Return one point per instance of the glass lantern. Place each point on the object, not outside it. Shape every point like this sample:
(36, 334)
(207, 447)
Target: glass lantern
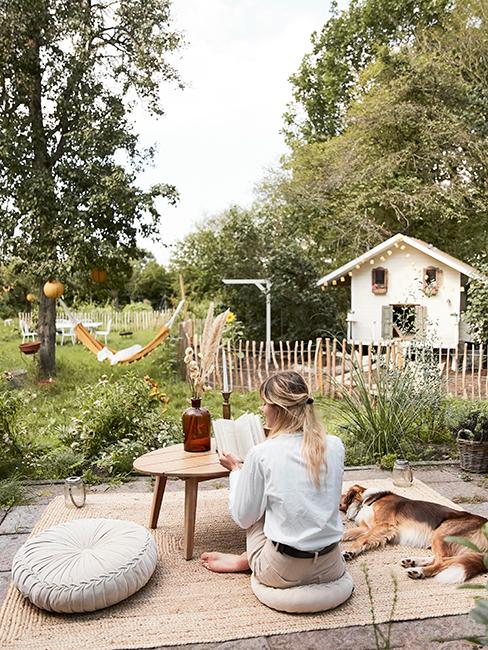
(74, 492)
(402, 473)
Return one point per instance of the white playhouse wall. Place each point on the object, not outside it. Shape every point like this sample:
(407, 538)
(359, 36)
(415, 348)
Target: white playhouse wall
(405, 282)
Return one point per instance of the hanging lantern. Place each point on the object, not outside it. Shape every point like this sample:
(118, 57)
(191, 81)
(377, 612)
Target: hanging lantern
(30, 297)
(98, 275)
(53, 289)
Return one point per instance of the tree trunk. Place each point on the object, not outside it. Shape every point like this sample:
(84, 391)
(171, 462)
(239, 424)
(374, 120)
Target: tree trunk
(46, 330)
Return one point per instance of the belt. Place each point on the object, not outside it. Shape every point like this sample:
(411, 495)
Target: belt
(295, 552)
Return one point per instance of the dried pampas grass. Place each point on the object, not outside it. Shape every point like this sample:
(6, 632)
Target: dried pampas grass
(199, 369)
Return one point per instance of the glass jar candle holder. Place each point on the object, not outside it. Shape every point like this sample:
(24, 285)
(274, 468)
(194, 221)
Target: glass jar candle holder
(402, 473)
(74, 492)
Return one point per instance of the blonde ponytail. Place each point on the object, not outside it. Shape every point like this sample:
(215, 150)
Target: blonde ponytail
(288, 392)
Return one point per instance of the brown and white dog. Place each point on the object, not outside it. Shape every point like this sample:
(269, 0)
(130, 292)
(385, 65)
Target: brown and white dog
(384, 517)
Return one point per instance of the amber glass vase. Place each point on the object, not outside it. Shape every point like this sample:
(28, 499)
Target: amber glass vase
(196, 427)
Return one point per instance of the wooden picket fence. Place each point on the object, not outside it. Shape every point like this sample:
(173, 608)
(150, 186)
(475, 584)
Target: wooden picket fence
(133, 321)
(328, 364)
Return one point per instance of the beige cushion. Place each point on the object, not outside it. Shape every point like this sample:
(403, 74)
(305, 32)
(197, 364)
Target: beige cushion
(306, 598)
(84, 565)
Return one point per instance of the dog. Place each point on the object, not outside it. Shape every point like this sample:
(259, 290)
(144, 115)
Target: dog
(383, 517)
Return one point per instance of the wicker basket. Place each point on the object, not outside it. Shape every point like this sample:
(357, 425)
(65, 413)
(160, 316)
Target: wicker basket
(473, 456)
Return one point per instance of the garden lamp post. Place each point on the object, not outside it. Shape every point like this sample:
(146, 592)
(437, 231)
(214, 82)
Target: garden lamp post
(264, 286)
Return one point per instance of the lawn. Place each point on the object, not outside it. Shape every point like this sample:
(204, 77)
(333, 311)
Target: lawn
(77, 394)
(52, 405)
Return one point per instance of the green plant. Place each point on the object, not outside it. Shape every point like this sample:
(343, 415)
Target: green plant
(479, 613)
(118, 421)
(469, 421)
(12, 492)
(11, 404)
(387, 461)
(387, 417)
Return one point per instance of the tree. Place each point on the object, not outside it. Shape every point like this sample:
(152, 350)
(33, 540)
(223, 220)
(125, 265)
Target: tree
(70, 74)
(411, 156)
(229, 245)
(325, 83)
(249, 244)
(151, 281)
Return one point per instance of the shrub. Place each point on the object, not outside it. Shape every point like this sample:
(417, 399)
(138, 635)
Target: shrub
(468, 420)
(389, 419)
(12, 492)
(11, 404)
(118, 421)
(58, 462)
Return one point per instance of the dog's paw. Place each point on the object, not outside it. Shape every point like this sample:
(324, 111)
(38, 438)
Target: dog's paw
(416, 574)
(348, 555)
(408, 562)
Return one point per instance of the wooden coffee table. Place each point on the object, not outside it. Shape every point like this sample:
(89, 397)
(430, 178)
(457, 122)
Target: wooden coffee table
(191, 467)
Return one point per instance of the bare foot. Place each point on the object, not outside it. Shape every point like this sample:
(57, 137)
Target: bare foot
(225, 562)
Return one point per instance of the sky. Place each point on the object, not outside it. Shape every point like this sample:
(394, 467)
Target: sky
(222, 132)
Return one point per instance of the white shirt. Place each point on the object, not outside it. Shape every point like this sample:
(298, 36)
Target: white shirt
(274, 480)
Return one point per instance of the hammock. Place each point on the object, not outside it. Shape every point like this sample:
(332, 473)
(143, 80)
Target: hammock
(128, 355)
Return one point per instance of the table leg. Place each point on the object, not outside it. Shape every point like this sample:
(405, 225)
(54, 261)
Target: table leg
(191, 492)
(156, 500)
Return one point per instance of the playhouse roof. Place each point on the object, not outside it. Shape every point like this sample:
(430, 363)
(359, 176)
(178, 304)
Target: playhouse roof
(396, 241)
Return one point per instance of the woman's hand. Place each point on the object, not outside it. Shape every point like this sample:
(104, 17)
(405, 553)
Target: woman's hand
(229, 461)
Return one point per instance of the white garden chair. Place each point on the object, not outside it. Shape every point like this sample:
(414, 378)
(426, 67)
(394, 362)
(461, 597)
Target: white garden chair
(65, 329)
(25, 331)
(106, 332)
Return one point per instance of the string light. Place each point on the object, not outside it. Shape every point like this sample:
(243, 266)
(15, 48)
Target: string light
(402, 247)
(334, 282)
(358, 266)
(371, 261)
(350, 274)
(382, 258)
(397, 244)
(389, 252)
(343, 279)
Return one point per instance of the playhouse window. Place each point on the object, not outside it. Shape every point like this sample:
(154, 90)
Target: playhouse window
(431, 280)
(379, 280)
(404, 320)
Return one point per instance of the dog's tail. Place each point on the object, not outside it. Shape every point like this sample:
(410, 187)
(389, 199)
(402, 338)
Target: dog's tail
(461, 568)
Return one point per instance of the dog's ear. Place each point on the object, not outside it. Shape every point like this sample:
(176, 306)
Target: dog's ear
(354, 492)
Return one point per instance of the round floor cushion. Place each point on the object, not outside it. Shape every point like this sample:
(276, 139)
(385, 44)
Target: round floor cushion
(306, 598)
(84, 565)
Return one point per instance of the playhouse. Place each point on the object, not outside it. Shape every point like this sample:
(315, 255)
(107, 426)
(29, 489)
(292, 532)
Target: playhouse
(405, 287)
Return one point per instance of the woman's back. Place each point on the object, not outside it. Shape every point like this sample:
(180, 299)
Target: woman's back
(298, 513)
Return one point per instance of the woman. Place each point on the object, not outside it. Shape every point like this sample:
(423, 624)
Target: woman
(286, 494)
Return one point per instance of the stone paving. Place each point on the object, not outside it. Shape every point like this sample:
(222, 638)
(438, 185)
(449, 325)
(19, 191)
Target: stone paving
(445, 632)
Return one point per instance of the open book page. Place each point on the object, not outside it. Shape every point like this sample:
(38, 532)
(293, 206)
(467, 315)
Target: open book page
(225, 436)
(238, 436)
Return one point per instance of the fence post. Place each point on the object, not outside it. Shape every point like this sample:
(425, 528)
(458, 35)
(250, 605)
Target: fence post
(318, 365)
(465, 361)
(327, 367)
(480, 368)
(343, 362)
(309, 365)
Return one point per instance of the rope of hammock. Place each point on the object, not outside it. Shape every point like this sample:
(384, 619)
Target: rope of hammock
(128, 355)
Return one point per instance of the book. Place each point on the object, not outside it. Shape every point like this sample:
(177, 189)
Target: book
(238, 436)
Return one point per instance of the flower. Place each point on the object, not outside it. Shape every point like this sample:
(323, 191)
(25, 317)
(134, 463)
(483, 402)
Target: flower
(230, 317)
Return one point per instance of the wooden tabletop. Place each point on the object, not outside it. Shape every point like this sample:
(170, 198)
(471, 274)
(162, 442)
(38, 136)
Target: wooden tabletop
(174, 462)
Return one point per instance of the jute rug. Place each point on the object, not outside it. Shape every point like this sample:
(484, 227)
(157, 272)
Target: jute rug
(185, 603)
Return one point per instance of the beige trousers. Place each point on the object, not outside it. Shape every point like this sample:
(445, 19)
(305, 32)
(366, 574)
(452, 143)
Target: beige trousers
(275, 569)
